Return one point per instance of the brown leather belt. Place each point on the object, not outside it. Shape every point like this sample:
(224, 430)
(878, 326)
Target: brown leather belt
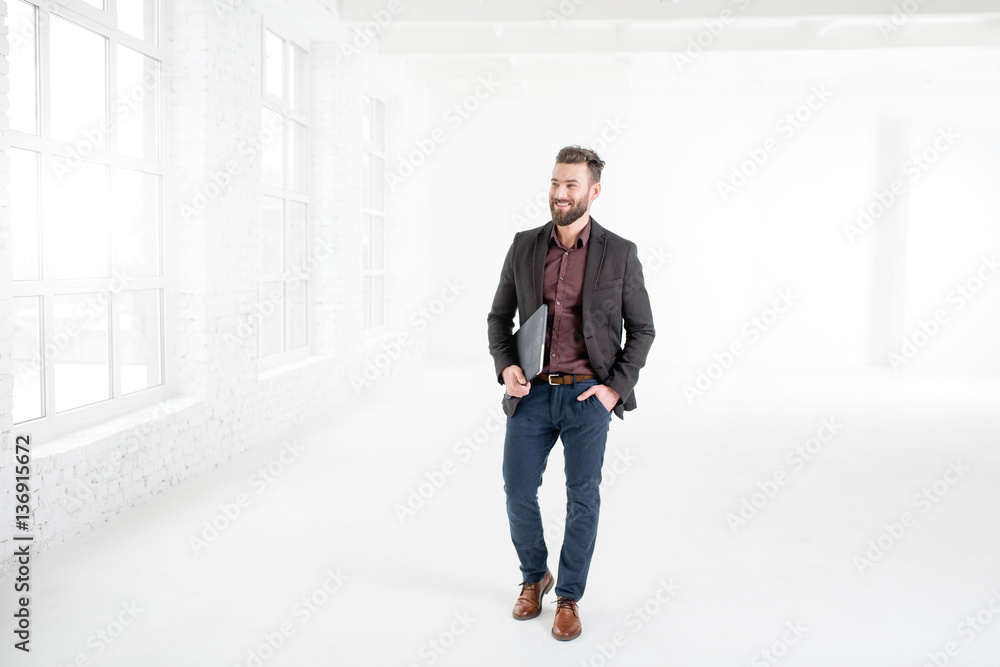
(562, 378)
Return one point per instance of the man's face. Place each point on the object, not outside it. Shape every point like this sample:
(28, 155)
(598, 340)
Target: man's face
(571, 192)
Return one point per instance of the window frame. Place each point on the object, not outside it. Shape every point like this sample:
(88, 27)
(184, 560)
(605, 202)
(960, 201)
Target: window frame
(373, 102)
(53, 424)
(283, 106)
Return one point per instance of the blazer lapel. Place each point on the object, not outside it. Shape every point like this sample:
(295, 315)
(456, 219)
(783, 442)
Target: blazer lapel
(595, 258)
(538, 274)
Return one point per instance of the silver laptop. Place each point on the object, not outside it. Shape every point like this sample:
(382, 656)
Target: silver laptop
(530, 340)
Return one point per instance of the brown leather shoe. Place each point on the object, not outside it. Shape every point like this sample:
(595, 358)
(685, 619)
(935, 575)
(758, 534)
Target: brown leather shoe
(566, 626)
(529, 604)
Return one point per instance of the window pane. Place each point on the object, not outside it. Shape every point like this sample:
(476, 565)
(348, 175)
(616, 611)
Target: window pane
(78, 85)
(139, 339)
(96, 3)
(295, 319)
(272, 138)
(378, 300)
(377, 242)
(132, 17)
(137, 104)
(23, 110)
(366, 301)
(366, 178)
(295, 238)
(271, 309)
(77, 220)
(271, 236)
(297, 81)
(379, 128)
(27, 359)
(274, 64)
(366, 241)
(77, 344)
(24, 213)
(368, 120)
(378, 183)
(136, 238)
(373, 301)
(298, 159)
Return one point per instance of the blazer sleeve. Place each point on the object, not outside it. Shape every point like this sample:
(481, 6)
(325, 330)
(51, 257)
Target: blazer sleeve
(638, 321)
(500, 321)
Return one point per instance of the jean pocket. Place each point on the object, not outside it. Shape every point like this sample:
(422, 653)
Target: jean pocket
(599, 403)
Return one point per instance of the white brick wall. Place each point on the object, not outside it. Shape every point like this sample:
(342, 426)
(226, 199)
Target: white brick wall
(220, 404)
(6, 365)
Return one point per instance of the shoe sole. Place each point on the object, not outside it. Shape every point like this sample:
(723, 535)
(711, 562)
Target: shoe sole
(564, 638)
(541, 597)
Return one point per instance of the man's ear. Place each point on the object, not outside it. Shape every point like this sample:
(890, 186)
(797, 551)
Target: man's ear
(595, 192)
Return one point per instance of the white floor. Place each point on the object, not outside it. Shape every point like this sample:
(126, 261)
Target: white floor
(671, 584)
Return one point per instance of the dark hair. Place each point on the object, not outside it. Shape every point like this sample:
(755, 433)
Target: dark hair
(576, 155)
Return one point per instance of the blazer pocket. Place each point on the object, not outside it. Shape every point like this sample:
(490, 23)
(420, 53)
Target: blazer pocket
(609, 284)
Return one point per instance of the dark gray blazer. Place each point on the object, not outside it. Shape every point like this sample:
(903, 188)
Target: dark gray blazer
(613, 292)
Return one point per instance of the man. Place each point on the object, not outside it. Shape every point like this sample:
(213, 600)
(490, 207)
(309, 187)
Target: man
(591, 280)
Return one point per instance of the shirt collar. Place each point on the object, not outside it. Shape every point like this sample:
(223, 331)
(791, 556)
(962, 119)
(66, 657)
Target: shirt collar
(581, 241)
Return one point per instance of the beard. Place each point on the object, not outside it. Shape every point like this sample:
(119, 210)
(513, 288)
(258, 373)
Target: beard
(563, 217)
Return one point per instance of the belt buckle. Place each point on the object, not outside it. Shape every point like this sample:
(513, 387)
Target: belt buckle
(556, 375)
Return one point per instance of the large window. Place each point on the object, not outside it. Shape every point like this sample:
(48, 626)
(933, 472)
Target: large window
(86, 204)
(283, 288)
(373, 212)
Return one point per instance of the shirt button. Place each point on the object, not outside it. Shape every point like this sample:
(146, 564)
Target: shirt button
(565, 254)
(558, 302)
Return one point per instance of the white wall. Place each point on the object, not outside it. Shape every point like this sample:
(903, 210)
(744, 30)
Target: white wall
(785, 228)
(222, 403)
(6, 346)
(482, 175)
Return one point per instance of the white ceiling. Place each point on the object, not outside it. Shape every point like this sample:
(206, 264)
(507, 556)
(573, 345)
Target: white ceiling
(645, 10)
(449, 40)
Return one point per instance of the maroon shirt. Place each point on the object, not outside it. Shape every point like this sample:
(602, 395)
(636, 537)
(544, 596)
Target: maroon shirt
(562, 289)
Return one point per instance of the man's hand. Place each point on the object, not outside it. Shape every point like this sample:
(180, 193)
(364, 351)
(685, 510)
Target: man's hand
(513, 380)
(608, 396)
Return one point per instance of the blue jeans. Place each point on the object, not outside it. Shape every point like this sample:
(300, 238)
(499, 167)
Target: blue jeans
(545, 414)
